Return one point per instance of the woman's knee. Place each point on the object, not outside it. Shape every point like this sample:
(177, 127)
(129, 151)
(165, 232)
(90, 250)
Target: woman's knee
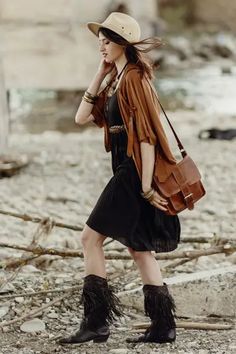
(90, 238)
(138, 256)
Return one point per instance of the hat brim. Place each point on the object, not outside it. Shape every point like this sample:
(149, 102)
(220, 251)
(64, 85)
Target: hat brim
(94, 27)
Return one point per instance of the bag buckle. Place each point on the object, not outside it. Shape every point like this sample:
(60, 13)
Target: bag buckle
(188, 196)
(189, 201)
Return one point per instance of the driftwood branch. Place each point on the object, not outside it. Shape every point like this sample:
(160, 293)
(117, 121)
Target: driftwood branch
(225, 248)
(177, 263)
(188, 325)
(41, 292)
(37, 219)
(213, 239)
(34, 312)
(15, 263)
(184, 239)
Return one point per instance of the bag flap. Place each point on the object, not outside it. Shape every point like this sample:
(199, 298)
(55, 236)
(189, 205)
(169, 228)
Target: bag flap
(184, 172)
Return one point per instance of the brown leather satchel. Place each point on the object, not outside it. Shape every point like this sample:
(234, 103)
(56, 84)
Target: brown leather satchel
(183, 187)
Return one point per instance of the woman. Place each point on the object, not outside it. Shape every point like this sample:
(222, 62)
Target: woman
(129, 210)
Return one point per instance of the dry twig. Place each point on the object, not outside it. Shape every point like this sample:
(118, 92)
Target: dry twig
(37, 219)
(41, 292)
(226, 249)
(188, 325)
(34, 313)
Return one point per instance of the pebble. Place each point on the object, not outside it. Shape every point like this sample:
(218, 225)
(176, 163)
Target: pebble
(4, 310)
(35, 325)
(52, 315)
(7, 288)
(130, 286)
(118, 264)
(29, 268)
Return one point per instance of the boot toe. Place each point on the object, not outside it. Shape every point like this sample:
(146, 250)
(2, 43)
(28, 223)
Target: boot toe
(85, 335)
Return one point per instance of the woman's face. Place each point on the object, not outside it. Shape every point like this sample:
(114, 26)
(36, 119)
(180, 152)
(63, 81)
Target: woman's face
(110, 50)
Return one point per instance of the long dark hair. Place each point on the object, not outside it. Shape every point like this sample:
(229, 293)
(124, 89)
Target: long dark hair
(136, 52)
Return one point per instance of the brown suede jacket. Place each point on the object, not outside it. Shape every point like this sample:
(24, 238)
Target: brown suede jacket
(140, 111)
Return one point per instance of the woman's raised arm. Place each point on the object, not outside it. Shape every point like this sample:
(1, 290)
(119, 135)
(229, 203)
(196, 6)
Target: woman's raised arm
(83, 114)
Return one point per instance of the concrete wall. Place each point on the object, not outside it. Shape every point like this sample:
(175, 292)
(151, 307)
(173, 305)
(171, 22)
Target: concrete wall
(219, 12)
(45, 44)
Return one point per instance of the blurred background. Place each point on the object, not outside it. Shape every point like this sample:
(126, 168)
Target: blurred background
(48, 56)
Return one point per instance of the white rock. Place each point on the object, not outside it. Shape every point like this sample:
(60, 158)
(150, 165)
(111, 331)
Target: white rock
(171, 61)
(129, 264)
(29, 269)
(118, 351)
(52, 315)
(19, 299)
(118, 264)
(3, 310)
(130, 286)
(181, 46)
(224, 45)
(7, 288)
(35, 325)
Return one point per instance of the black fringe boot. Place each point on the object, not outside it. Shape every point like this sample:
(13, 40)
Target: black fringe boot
(101, 306)
(160, 307)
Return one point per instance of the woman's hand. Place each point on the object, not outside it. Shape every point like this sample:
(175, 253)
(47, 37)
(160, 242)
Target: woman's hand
(105, 67)
(158, 201)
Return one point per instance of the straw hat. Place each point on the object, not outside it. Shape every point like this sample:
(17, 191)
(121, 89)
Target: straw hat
(120, 23)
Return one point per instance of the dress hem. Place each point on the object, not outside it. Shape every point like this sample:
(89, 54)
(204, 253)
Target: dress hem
(162, 246)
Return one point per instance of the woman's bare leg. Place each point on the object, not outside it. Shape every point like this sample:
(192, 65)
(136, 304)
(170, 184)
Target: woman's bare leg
(148, 266)
(92, 243)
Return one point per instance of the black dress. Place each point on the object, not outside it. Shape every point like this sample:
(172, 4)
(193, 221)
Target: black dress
(121, 212)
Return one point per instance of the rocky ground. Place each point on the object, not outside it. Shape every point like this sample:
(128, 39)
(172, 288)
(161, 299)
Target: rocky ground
(65, 176)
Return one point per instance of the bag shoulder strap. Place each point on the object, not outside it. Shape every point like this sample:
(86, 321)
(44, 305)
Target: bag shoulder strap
(180, 145)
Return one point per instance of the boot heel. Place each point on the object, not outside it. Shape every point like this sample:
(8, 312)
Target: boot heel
(101, 339)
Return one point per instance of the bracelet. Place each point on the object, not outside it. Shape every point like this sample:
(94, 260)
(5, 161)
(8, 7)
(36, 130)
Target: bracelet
(148, 195)
(88, 99)
(89, 95)
(150, 199)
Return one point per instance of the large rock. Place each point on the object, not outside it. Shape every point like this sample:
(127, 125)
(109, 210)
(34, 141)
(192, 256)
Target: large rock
(205, 293)
(47, 44)
(214, 12)
(181, 46)
(202, 293)
(225, 46)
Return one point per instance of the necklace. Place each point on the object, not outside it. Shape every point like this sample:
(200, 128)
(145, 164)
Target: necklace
(112, 88)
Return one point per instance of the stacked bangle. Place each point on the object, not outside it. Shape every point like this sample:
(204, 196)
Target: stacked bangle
(88, 97)
(148, 195)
